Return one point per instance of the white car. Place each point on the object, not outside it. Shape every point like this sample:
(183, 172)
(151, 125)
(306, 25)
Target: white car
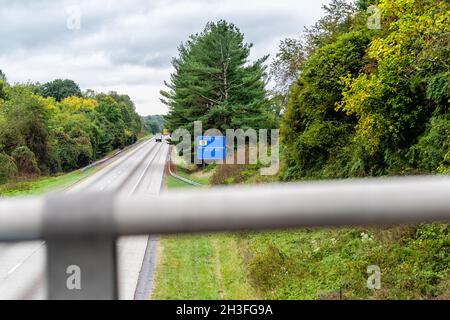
(158, 137)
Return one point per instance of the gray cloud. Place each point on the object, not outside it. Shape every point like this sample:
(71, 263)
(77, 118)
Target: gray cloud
(128, 46)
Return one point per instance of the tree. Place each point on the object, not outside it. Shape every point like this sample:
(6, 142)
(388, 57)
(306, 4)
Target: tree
(60, 89)
(396, 101)
(288, 64)
(26, 122)
(371, 102)
(294, 52)
(75, 104)
(312, 129)
(339, 18)
(153, 124)
(44, 135)
(214, 83)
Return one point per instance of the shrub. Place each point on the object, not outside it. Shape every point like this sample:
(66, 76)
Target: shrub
(26, 161)
(8, 167)
(433, 147)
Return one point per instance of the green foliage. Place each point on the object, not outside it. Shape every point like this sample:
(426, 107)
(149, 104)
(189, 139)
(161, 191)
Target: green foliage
(365, 103)
(26, 161)
(339, 18)
(214, 83)
(406, 88)
(8, 168)
(154, 124)
(430, 152)
(3, 84)
(206, 267)
(41, 185)
(287, 64)
(60, 89)
(364, 98)
(44, 135)
(313, 131)
(26, 119)
(315, 264)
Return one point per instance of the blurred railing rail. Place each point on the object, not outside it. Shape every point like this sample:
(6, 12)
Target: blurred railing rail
(90, 223)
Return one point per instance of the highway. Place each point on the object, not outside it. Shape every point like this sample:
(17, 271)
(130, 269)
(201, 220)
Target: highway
(139, 170)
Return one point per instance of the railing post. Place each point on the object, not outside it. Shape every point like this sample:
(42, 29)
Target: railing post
(81, 248)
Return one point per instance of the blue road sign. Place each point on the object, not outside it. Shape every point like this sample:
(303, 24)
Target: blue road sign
(211, 148)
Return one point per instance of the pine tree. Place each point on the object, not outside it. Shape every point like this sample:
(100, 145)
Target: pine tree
(214, 82)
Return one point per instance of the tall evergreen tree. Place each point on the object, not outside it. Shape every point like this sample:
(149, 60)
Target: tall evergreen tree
(214, 82)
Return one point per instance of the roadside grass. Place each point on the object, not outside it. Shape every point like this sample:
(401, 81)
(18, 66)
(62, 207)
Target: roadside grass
(205, 267)
(332, 264)
(193, 176)
(201, 267)
(43, 184)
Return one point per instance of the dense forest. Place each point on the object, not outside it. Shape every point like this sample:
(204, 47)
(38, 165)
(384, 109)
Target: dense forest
(355, 101)
(363, 101)
(54, 127)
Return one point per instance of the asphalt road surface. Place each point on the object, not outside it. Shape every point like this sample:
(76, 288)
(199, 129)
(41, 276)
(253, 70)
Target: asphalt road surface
(139, 170)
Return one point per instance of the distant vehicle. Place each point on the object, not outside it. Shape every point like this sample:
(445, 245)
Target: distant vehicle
(158, 137)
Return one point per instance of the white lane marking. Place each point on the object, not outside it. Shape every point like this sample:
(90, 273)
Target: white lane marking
(91, 181)
(17, 266)
(144, 172)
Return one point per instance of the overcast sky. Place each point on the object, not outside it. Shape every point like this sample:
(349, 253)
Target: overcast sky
(127, 46)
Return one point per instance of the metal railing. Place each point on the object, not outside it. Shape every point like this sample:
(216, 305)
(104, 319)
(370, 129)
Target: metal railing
(81, 229)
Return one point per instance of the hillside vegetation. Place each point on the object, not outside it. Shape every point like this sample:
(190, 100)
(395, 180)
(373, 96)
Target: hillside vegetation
(153, 124)
(371, 102)
(215, 83)
(362, 102)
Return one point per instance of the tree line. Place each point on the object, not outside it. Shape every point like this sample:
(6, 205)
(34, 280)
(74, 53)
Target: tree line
(54, 127)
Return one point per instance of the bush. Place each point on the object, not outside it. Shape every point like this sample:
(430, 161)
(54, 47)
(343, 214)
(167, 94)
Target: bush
(26, 161)
(332, 263)
(83, 145)
(433, 147)
(8, 167)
